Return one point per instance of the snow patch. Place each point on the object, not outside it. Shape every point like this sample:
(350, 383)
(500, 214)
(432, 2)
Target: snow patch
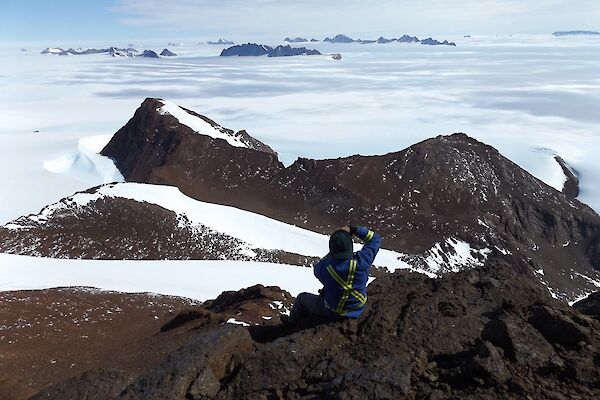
(456, 255)
(197, 124)
(234, 321)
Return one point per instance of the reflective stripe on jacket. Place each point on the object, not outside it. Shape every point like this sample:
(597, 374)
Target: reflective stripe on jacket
(345, 281)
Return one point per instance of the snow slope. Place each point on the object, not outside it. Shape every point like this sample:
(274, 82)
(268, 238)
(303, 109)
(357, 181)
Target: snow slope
(86, 164)
(199, 280)
(256, 230)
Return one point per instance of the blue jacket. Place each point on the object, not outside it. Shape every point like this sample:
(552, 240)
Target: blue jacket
(345, 281)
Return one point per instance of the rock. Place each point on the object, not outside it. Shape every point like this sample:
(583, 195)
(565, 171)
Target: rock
(384, 40)
(400, 348)
(408, 39)
(556, 326)
(149, 54)
(433, 42)
(93, 385)
(167, 53)
(336, 56)
(184, 370)
(206, 385)
(295, 40)
(339, 39)
(221, 42)
(590, 305)
(520, 342)
(253, 49)
(489, 363)
(571, 185)
(249, 49)
(287, 51)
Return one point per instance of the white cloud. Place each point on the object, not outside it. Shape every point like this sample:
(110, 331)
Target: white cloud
(261, 17)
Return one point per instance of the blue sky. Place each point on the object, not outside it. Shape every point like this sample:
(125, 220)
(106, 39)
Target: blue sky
(239, 19)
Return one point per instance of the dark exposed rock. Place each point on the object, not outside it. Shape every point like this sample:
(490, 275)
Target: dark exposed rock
(149, 54)
(295, 40)
(193, 370)
(253, 49)
(556, 326)
(571, 186)
(384, 40)
(93, 385)
(433, 42)
(287, 51)
(167, 53)
(221, 42)
(408, 39)
(339, 39)
(248, 49)
(400, 348)
(590, 305)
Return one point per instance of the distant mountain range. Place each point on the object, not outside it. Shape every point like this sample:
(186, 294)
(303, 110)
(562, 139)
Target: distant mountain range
(299, 40)
(221, 42)
(111, 51)
(382, 40)
(253, 49)
(575, 33)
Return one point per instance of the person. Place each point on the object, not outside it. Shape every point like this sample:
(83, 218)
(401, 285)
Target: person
(344, 276)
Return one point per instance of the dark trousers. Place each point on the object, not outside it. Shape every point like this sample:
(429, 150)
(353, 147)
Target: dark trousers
(308, 303)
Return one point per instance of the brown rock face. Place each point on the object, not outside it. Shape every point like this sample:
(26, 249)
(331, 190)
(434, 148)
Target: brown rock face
(483, 333)
(84, 343)
(449, 186)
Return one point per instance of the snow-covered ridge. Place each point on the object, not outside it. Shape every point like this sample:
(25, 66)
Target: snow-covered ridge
(197, 124)
(255, 230)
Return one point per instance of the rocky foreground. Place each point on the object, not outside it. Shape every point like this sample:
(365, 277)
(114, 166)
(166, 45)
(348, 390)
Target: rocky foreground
(484, 333)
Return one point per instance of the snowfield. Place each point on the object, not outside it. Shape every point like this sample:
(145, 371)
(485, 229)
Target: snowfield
(198, 280)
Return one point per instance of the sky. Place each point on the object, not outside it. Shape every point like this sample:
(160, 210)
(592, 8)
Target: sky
(39, 20)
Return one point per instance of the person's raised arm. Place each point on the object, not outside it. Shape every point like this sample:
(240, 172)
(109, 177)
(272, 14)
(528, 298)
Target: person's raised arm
(371, 241)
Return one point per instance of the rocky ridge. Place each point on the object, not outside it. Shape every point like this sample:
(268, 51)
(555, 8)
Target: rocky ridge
(254, 50)
(443, 189)
(438, 203)
(491, 332)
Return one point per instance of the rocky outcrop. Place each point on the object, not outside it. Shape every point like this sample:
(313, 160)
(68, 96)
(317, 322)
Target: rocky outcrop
(221, 42)
(433, 42)
(295, 40)
(571, 186)
(167, 53)
(253, 49)
(111, 51)
(408, 39)
(485, 333)
(149, 54)
(84, 343)
(590, 305)
(339, 38)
